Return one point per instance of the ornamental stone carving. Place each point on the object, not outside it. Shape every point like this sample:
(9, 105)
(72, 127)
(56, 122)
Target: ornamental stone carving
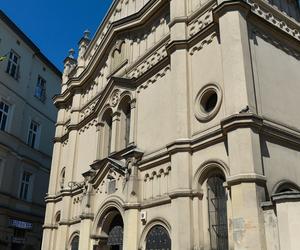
(115, 97)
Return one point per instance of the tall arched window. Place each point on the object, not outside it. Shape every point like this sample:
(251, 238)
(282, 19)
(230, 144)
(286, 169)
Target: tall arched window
(217, 213)
(62, 178)
(158, 239)
(107, 132)
(75, 243)
(125, 110)
(127, 124)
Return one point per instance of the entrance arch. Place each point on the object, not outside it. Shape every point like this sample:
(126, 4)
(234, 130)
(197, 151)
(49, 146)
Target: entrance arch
(158, 239)
(110, 232)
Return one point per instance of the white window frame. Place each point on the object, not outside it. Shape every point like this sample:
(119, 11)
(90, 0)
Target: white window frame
(36, 133)
(26, 183)
(40, 89)
(4, 113)
(13, 63)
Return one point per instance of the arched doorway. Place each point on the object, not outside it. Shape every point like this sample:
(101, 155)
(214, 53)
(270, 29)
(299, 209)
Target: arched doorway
(158, 239)
(110, 231)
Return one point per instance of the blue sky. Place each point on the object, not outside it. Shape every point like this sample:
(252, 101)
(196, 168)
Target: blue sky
(55, 26)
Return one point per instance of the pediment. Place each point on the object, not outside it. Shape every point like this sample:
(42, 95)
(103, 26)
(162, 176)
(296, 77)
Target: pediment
(110, 97)
(107, 168)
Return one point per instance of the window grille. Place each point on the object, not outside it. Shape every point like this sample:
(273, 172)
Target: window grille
(115, 234)
(13, 65)
(158, 239)
(75, 243)
(217, 211)
(4, 109)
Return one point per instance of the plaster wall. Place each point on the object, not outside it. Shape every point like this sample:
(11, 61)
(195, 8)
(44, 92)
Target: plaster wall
(277, 78)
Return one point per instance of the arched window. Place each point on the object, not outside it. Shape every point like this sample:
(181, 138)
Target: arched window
(115, 234)
(217, 213)
(75, 243)
(125, 110)
(57, 218)
(127, 124)
(158, 239)
(107, 132)
(118, 55)
(62, 178)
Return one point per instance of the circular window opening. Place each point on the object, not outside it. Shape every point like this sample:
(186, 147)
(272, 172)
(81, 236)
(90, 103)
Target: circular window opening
(209, 101)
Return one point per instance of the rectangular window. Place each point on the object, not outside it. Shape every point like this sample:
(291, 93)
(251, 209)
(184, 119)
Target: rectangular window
(40, 89)
(13, 64)
(4, 109)
(26, 178)
(33, 134)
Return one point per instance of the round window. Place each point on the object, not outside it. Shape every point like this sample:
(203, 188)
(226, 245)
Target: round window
(208, 102)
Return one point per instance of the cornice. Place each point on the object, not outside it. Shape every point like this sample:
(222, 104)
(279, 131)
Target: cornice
(245, 178)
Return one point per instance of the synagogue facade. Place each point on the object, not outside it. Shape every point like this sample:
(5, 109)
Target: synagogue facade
(178, 128)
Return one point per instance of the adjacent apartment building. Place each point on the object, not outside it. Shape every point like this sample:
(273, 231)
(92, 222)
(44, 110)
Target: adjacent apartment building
(179, 128)
(28, 80)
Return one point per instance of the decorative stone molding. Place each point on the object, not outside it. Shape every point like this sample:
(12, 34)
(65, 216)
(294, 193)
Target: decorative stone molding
(115, 98)
(204, 42)
(200, 23)
(202, 97)
(242, 178)
(149, 62)
(154, 79)
(275, 17)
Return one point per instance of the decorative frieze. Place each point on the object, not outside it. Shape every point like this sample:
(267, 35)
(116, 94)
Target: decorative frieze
(201, 44)
(156, 183)
(154, 78)
(200, 23)
(274, 17)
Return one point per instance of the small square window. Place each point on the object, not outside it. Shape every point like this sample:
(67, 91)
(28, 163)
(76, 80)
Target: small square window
(40, 89)
(13, 65)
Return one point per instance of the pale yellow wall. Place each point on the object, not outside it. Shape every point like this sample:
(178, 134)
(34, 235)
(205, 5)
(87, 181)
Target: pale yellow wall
(203, 73)
(158, 94)
(276, 73)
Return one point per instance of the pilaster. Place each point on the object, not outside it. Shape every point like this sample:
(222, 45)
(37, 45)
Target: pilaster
(131, 232)
(179, 66)
(246, 181)
(182, 235)
(236, 59)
